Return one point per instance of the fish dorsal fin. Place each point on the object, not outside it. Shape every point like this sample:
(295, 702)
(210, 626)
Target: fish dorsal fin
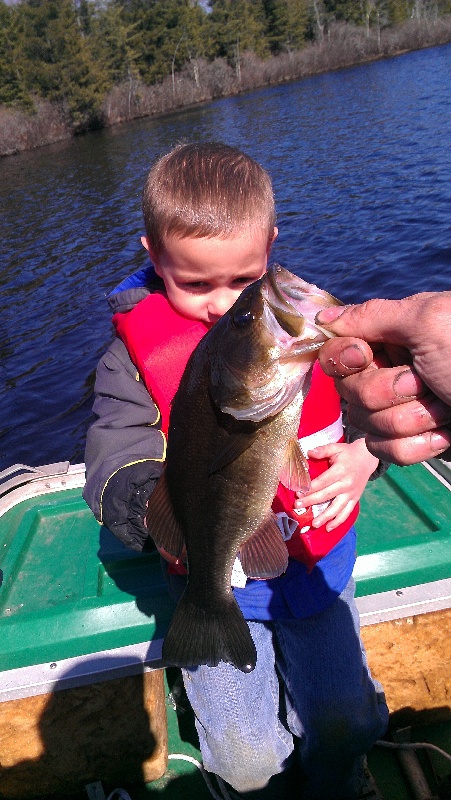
(161, 522)
(236, 445)
(295, 474)
(265, 554)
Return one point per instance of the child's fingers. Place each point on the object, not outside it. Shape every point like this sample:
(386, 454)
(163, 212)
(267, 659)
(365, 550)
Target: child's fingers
(172, 559)
(332, 477)
(341, 516)
(315, 498)
(325, 450)
(322, 491)
(337, 512)
(328, 514)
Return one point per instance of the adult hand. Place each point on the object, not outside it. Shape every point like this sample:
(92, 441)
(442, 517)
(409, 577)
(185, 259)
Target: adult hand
(399, 389)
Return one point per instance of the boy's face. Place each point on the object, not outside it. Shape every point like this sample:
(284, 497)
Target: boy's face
(204, 277)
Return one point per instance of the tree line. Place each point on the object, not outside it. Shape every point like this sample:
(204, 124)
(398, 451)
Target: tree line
(93, 61)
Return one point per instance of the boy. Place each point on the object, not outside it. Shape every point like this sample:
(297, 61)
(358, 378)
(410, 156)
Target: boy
(210, 223)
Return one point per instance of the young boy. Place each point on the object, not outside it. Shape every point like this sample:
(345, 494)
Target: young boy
(210, 223)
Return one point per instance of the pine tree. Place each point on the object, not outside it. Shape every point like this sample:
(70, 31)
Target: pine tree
(169, 33)
(287, 24)
(12, 85)
(239, 25)
(56, 59)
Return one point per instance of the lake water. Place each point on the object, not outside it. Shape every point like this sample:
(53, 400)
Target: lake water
(361, 165)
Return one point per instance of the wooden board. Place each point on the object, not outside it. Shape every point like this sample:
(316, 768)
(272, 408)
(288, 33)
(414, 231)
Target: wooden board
(60, 742)
(411, 657)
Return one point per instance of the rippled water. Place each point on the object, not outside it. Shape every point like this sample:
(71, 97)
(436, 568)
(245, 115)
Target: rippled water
(361, 165)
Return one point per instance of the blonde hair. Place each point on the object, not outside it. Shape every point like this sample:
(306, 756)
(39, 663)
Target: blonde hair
(206, 190)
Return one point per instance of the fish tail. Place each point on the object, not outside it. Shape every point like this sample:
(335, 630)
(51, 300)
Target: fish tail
(199, 635)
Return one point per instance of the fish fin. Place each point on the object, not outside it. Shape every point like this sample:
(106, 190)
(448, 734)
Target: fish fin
(237, 444)
(265, 554)
(199, 635)
(295, 474)
(161, 522)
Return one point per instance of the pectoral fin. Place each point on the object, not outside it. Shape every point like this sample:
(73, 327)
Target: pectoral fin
(265, 554)
(237, 444)
(161, 522)
(295, 474)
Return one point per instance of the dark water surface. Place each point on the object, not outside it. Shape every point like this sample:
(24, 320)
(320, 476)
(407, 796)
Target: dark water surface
(361, 164)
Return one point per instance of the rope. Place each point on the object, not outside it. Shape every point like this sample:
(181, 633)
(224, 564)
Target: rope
(413, 746)
(123, 795)
(120, 793)
(224, 796)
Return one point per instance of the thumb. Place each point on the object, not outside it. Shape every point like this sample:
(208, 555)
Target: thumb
(374, 320)
(344, 356)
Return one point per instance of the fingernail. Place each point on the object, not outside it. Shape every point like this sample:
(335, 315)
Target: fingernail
(407, 384)
(438, 411)
(353, 357)
(439, 442)
(329, 314)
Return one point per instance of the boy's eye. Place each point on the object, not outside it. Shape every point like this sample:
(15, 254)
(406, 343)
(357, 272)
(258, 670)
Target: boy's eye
(243, 281)
(195, 285)
(204, 286)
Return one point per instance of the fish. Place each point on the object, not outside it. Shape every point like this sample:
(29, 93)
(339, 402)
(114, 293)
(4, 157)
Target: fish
(232, 437)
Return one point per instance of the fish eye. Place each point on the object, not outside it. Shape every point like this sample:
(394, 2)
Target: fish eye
(242, 319)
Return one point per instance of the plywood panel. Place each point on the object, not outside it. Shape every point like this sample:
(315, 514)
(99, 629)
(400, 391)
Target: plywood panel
(411, 657)
(107, 731)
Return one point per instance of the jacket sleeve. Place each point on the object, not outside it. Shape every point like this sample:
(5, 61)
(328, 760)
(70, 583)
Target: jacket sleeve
(352, 433)
(125, 449)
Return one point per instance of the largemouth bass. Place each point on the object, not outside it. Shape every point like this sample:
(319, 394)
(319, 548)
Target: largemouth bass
(232, 438)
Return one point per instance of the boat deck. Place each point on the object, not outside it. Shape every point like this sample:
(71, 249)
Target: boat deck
(82, 620)
(183, 780)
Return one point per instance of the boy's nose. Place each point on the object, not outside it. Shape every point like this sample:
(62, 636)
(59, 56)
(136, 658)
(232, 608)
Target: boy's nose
(220, 302)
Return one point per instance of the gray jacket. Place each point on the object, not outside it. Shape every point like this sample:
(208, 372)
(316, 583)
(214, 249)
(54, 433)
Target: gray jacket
(125, 446)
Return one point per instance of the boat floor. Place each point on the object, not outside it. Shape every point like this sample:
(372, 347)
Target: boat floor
(101, 600)
(183, 780)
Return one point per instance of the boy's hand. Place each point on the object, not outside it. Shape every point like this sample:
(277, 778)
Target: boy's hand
(342, 484)
(171, 559)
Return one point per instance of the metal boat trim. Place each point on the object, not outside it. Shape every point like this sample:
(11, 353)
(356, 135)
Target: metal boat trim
(82, 670)
(406, 602)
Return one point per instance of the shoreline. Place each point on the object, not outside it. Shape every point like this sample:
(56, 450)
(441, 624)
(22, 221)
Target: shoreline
(346, 47)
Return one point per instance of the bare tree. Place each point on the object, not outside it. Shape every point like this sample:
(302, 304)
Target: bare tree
(319, 14)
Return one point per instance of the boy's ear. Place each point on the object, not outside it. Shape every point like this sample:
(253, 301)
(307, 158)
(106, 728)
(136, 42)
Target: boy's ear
(271, 241)
(145, 243)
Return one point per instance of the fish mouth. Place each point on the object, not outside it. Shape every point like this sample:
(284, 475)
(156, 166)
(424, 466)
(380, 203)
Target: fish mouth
(295, 303)
(297, 289)
(295, 341)
(284, 312)
(294, 306)
(289, 309)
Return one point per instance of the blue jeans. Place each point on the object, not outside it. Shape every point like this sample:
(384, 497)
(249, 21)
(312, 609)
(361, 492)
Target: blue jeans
(311, 695)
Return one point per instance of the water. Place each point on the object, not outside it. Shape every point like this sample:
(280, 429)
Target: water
(361, 165)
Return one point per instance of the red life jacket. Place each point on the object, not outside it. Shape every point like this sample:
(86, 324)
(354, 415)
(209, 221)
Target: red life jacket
(160, 341)
(320, 424)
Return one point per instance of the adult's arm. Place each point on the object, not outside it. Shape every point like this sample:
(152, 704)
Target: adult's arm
(398, 389)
